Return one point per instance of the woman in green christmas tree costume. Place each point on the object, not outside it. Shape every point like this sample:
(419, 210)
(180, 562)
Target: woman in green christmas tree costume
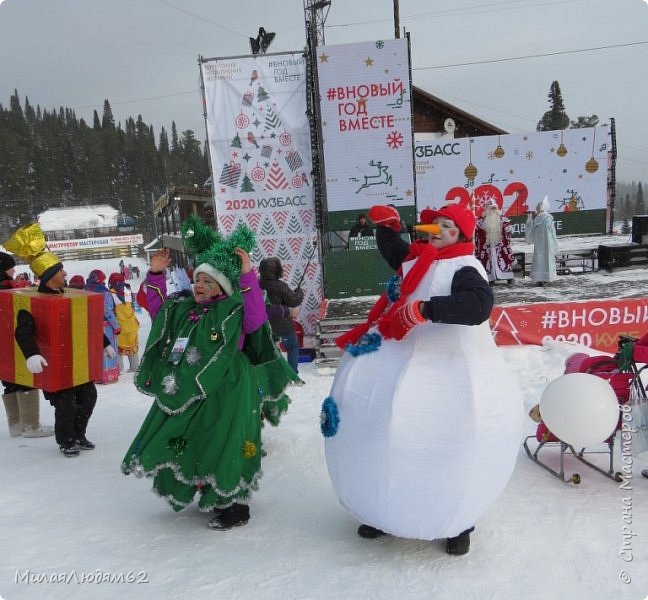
(214, 372)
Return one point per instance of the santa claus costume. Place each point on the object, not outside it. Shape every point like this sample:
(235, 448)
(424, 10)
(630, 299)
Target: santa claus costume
(493, 244)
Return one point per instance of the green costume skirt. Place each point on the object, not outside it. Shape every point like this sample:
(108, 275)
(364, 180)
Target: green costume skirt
(203, 433)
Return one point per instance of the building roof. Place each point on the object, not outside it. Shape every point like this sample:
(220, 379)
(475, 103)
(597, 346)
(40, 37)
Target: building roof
(154, 244)
(78, 217)
(430, 112)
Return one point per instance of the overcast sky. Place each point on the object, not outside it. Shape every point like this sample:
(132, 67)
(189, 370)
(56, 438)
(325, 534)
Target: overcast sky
(494, 59)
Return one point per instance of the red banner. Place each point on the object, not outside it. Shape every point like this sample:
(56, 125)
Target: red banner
(596, 323)
(69, 334)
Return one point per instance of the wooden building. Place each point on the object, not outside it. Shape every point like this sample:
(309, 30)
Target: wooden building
(171, 209)
(90, 232)
(431, 115)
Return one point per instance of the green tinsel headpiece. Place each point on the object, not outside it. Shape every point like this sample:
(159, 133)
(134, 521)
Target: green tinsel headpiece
(214, 254)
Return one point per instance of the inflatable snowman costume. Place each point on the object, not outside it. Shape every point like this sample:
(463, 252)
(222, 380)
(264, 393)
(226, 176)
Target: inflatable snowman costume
(429, 425)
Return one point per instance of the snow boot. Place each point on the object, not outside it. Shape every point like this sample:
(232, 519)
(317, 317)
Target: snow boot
(69, 450)
(29, 407)
(133, 360)
(13, 414)
(232, 516)
(370, 533)
(83, 443)
(459, 545)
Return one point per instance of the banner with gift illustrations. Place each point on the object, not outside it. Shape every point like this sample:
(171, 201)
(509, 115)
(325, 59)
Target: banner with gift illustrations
(365, 105)
(516, 170)
(596, 323)
(259, 145)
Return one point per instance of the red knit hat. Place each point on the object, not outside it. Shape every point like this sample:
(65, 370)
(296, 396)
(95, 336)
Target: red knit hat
(76, 282)
(96, 276)
(463, 218)
(114, 278)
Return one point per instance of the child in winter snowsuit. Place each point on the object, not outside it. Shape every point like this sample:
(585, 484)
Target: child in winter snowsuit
(96, 283)
(127, 340)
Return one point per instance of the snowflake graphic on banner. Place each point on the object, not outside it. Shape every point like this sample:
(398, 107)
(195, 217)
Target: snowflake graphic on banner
(394, 139)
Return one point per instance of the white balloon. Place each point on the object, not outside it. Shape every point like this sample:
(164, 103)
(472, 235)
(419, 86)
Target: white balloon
(580, 409)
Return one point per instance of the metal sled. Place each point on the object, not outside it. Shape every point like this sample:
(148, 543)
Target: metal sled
(629, 380)
(580, 455)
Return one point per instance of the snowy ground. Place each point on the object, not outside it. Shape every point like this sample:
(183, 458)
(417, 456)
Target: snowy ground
(74, 518)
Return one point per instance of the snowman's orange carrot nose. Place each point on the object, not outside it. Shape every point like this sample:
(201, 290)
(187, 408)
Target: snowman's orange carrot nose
(429, 228)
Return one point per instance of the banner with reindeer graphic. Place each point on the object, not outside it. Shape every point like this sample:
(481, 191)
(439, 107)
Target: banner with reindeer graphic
(365, 103)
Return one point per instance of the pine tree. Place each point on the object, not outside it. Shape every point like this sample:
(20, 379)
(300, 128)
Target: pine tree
(556, 117)
(192, 158)
(625, 226)
(51, 158)
(246, 185)
(30, 114)
(582, 122)
(14, 152)
(107, 120)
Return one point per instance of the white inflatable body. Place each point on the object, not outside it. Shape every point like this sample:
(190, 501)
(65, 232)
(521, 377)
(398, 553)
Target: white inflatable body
(430, 426)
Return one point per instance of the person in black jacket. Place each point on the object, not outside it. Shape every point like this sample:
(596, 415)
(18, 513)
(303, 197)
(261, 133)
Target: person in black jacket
(361, 228)
(281, 299)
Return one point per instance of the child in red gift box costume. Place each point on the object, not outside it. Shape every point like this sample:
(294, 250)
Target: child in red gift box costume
(423, 422)
(73, 406)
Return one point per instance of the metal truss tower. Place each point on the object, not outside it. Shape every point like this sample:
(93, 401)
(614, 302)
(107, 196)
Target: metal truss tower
(315, 13)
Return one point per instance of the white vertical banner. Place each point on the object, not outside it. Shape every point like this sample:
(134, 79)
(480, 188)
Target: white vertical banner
(366, 124)
(259, 144)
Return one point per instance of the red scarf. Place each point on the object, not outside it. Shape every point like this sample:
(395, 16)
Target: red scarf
(382, 312)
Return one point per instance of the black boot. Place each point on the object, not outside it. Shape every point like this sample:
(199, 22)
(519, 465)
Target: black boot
(69, 449)
(369, 532)
(460, 544)
(645, 472)
(83, 443)
(232, 516)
